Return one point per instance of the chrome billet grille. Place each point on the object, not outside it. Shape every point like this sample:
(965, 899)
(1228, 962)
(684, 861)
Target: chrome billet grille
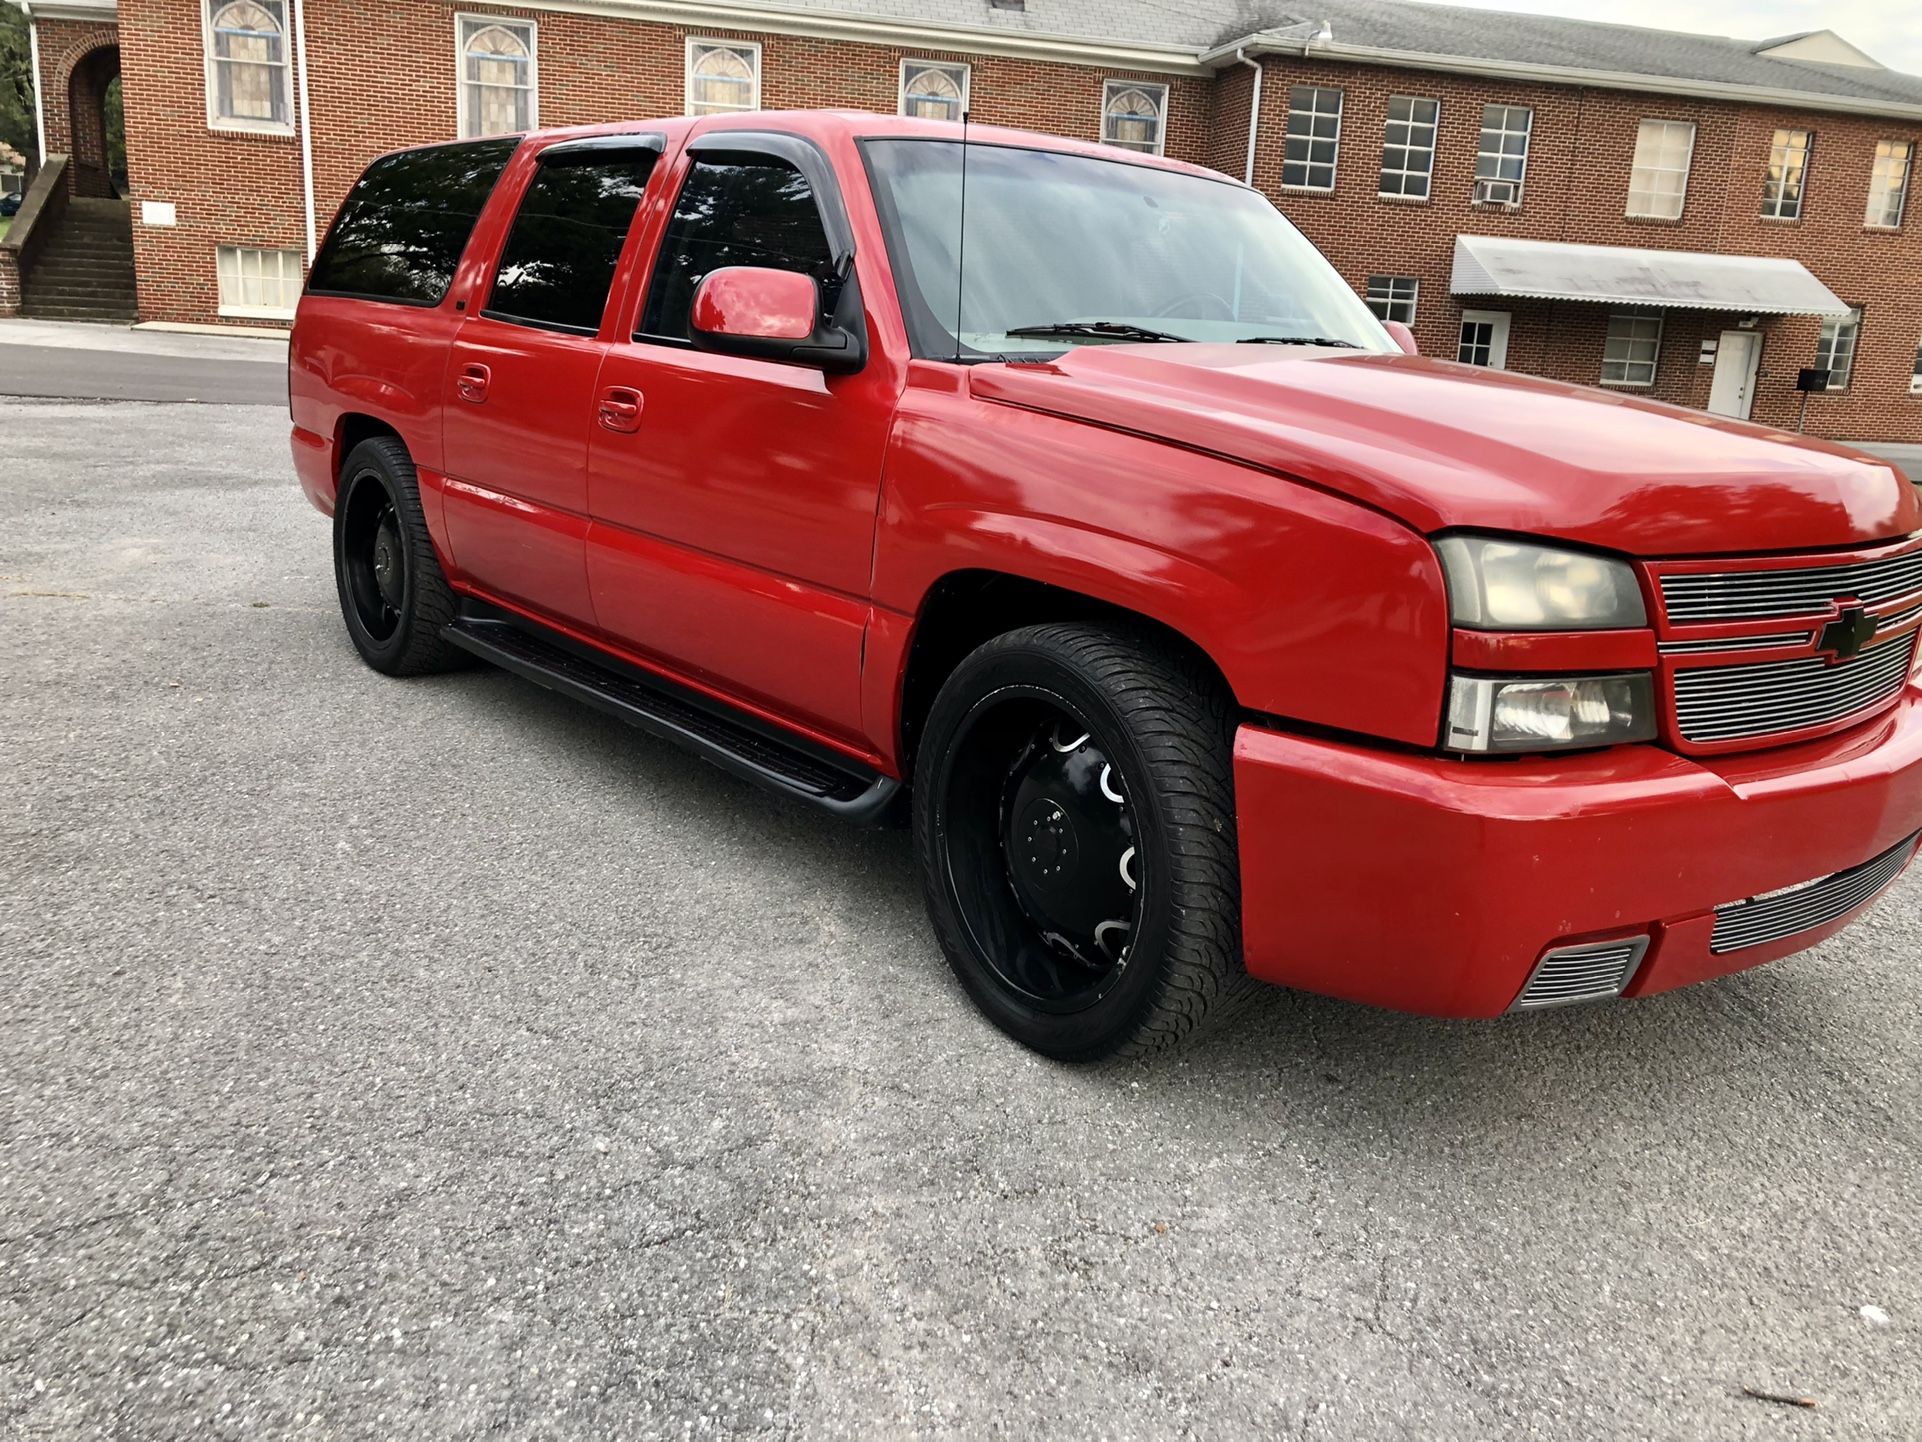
(1795, 591)
(1772, 698)
(1775, 640)
(1761, 919)
(1582, 973)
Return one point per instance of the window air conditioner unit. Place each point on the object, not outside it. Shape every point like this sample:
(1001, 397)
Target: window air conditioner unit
(1498, 192)
(1915, 385)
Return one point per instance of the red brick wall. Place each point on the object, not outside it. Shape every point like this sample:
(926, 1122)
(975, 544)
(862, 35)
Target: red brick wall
(594, 68)
(245, 189)
(229, 188)
(1580, 155)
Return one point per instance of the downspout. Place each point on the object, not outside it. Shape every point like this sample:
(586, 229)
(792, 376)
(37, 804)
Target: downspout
(39, 105)
(306, 125)
(1254, 115)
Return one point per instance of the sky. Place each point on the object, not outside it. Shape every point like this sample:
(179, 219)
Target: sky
(1889, 30)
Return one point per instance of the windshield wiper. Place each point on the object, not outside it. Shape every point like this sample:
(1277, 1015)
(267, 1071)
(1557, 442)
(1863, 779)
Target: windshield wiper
(1294, 340)
(1112, 329)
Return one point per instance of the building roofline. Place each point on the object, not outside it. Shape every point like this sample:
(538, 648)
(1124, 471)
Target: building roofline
(1275, 42)
(890, 31)
(102, 11)
(1301, 40)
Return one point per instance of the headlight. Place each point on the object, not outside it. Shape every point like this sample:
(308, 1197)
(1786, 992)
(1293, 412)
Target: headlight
(1500, 585)
(1549, 713)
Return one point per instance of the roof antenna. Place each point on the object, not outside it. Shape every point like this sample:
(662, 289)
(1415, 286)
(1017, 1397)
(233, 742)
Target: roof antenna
(961, 245)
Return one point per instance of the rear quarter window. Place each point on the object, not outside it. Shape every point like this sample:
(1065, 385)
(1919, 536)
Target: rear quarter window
(403, 226)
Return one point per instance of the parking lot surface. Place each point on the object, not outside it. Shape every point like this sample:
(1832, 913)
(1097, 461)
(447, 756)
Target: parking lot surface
(436, 1059)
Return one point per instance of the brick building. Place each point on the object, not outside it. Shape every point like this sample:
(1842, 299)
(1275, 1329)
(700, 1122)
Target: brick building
(1459, 167)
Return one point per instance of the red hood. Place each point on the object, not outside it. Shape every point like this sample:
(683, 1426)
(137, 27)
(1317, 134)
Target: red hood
(1441, 445)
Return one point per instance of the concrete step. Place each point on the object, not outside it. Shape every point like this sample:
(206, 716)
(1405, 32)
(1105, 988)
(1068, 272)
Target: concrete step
(86, 263)
(58, 295)
(32, 312)
(120, 283)
(81, 265)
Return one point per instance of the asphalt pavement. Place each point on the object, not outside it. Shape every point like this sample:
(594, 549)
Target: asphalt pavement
(439, 1059)
(99, 362)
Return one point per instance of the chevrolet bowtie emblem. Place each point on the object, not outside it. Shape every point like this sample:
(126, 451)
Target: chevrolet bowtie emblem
(1847, 634)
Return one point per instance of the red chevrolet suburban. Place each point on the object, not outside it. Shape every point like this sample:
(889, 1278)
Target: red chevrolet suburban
(1068, 502)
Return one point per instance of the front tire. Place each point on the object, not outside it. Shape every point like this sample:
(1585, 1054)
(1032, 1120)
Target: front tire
(393, 595)
(1075, 832)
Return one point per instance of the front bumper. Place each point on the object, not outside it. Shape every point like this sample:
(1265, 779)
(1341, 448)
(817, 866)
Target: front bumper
(1435, 885)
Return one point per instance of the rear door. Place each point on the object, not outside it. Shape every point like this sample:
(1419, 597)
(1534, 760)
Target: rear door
(520, 395)
(734, 520)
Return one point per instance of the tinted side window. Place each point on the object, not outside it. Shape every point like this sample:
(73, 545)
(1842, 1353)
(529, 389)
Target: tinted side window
(735, 210)
(559, 259)
(403, 226)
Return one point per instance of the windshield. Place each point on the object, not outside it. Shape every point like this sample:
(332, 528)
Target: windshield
(1064, 250)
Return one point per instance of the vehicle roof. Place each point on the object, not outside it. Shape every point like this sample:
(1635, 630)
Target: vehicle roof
(822, 125)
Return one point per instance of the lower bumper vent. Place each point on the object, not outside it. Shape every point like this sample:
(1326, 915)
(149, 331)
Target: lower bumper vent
(1582, 973)
(1782, 914)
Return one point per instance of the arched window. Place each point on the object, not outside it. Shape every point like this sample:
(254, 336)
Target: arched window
(932, 90)
(722, 77)
(1131, 115)
(497, 83)
(247, 61)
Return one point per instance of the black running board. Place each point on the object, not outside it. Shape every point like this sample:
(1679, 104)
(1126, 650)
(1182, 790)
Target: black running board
(738, 743)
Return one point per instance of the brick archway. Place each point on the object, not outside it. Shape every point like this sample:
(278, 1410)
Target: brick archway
(87, 86)
(78, 61)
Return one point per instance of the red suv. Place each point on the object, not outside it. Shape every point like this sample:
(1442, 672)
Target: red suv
(1205, 631)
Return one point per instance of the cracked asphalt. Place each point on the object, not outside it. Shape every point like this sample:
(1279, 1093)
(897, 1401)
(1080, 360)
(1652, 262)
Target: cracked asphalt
(437, 1059)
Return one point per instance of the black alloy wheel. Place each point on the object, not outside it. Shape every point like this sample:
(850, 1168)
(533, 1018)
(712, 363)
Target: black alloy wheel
(1040, 848)
(376, 564)
(1074, 828)
(394, 596)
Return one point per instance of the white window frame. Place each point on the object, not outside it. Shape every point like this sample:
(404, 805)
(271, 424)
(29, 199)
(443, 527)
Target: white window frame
(1389, 296)
(1146, 87)
(1779, 152)
(704, 42)
(1853, 320)
(1288, 133)
(1498, 323)
(1629, 360)
(1482, 152)
(217, 121)
(259, 312)
(464, 18)
(1644, 172)
(1880, 172)
(1915, 376)
(1433, 128)
(959, 68)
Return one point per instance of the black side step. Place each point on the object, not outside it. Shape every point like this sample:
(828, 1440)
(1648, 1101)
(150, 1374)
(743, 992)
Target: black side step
(735, 742)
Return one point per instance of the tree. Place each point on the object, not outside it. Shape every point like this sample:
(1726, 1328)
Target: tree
(16, 84)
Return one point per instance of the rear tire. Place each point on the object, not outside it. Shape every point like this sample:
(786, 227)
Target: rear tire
(394, 596)
(1055, 759)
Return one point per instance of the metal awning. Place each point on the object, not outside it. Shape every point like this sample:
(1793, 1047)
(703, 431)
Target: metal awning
(1490, 265)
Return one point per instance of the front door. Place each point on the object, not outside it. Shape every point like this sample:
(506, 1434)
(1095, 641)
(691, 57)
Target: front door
(734, 509)
(520, 379)
(1738, 358)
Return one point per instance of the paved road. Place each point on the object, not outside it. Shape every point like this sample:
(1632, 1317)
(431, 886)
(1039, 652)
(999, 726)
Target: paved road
(1909, 458)
(428, 1059)
(49, 359)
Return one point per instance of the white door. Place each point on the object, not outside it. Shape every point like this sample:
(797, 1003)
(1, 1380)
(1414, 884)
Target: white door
(1484, 339)
(1737, 356)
